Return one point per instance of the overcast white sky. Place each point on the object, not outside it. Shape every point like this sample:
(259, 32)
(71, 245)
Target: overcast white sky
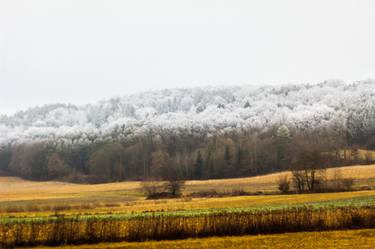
(80, 51)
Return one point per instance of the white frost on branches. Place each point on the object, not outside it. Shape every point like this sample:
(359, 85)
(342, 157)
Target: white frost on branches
(206, 110)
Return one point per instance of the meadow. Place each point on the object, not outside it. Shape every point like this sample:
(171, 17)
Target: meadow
(22, 197)
(55, 213)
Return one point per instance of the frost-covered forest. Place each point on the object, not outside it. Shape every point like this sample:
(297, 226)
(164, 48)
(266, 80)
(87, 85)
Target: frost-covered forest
(199, 132)
(209, 111)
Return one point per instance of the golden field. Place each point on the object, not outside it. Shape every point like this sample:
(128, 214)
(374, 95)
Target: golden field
(183, 204)
(27, 206)
(21, 197)
(347, 239)
(16, 189)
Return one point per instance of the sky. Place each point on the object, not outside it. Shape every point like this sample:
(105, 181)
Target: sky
(82, 51)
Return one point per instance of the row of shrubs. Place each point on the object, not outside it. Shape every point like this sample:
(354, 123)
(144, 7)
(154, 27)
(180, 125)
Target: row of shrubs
(65, 230)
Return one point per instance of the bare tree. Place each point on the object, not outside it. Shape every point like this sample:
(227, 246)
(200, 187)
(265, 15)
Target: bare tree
(308, 171)
(174, 187)
(284, 184)
(152, 189)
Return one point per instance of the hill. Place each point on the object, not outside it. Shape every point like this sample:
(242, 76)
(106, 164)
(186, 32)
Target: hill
(197, 133)
(199, 111)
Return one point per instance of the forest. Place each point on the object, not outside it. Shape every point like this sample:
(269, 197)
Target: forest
(200, 133)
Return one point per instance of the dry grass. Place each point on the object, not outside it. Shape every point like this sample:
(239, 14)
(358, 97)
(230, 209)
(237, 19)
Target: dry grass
(364, 174)
(30, 199)
(347, 239)
(22, 196)
(13, 189)
(138, 206)
(63, 230)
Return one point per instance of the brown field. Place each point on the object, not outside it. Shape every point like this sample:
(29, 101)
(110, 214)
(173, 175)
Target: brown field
(347, 239)
(21, 197)
(24, 201)
(114, 204)
(61, 230)
(363, 174)
(16, 189)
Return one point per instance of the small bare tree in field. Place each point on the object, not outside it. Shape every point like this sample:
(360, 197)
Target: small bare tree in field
(284, 184)
(152, 188)
(174, 187)
(161, 189)
(308, 170)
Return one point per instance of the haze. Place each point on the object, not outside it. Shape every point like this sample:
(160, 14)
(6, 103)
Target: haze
(82, 51)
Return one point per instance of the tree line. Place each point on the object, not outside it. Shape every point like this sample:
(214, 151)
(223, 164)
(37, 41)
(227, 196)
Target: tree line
(184, 156)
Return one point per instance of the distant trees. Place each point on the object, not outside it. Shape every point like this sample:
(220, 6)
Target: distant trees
(282, 146)
(56, 167)
(5, 157)
(300, 107)
(193, 133)
(107, 163)
(361, 120)
(198, 167)
(168, 156)
(29, 161)
(160, 163)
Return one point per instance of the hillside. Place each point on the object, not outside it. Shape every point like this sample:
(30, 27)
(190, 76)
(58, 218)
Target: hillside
(16, 189)
(196, 133)
(207, 111)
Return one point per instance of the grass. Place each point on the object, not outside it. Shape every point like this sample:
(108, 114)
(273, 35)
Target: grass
(95, 213)
(185, 204)
(168, 226)
(353, 239)
(284, 213)
(15, 189)
(235, 204)
(21, 197)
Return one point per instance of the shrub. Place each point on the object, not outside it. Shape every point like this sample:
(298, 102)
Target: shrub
(174, 187)
(284, 184)
(157, 190)
(347, 183)
(152, 188)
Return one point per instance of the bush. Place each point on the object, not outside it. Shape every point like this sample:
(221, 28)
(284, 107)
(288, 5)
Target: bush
(158, 190)
(152, 188)
(347, 183)
(284, 184)
(174, 187)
